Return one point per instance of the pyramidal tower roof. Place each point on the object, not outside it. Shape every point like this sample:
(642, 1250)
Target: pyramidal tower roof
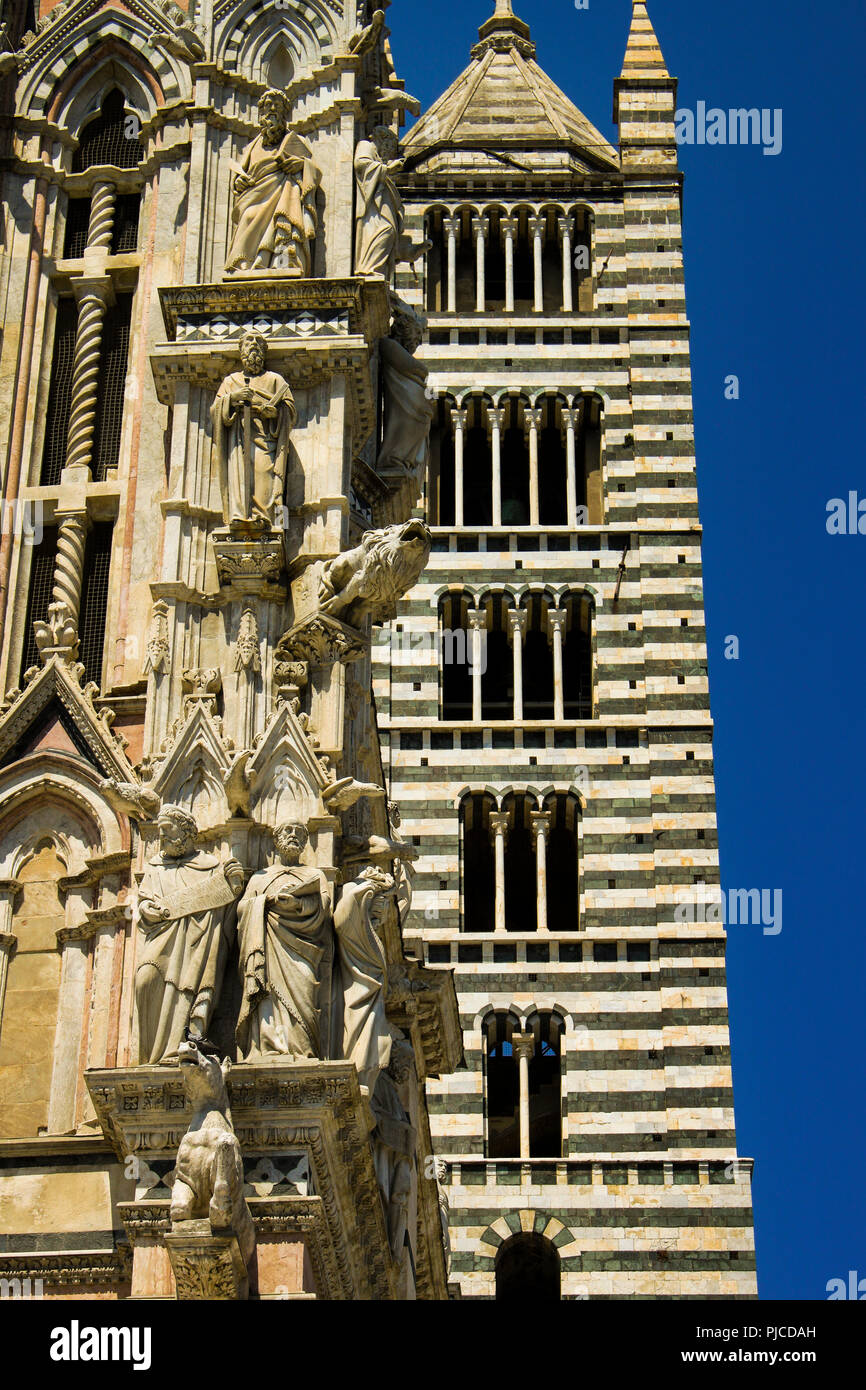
(505, 99)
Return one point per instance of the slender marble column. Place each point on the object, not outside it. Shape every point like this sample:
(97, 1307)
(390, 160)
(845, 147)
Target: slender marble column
(516, 633)
(566, 231)
(458, 420)
(499, 831)
(496, 420)
(509, 231)
(571, 421)
(540, 821)
(536, 231)
(452, 229)
(556, 619)
(477, 625)
(480, 228)
(533, 420)
(523, 1045)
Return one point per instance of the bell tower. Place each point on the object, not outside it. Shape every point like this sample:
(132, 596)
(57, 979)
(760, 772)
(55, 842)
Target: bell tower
(544, 702)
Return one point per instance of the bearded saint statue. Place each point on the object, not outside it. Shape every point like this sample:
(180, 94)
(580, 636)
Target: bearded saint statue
(252, 417)
(286, 943)
(274, 215)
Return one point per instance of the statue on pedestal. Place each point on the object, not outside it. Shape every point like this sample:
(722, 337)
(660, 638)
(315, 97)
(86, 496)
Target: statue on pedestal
(252, 418)
(409, 409)
(369, 580)
(379, 240)
(365, 1031)
(185, 913)
(274, 213)
(286, 942)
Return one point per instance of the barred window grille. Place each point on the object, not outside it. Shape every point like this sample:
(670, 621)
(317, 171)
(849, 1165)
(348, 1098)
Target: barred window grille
(77, 222)
(60, 392)
(38, 594)
(124, 236)
(112, 385)
(94, 600)
(110, 138)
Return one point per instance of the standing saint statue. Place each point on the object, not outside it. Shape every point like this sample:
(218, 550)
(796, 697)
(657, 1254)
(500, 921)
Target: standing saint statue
(379, 239)
(409, 409)
(252, 418)
(185, 914)
(361, 1028)
(286, 945)
(274, 215)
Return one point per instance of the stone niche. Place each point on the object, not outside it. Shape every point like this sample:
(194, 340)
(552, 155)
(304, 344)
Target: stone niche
(309, 1178)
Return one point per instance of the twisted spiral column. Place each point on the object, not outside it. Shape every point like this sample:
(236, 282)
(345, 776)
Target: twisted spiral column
(101, 223)
(69, 564)
(85, 379)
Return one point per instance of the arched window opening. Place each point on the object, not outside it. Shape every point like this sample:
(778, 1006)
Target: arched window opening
(521, 879)
(456, 656)
(479, 873)
(436, 262)
(528, 1270)
(477, 466)
(524, 265)
(497, 677)
(32, 995)
(563, 898)
(577, 657)
(60, 391)
(466, 261)
(582, 283)
(551, 261)
(42, 560)
(545, 1087)
(590, 453)
(515, 465)
(440, 467)
(552, 484)
(114, 353)
(111, 137)
(537, 661)
(502, 1087)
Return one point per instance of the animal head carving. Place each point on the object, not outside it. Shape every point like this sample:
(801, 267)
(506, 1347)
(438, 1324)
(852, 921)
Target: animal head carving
(204, 1076)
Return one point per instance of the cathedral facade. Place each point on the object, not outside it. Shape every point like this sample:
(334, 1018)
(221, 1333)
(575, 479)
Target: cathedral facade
(356, 779)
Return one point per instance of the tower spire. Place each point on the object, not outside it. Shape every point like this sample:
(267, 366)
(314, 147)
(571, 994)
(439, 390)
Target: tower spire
(643, 54)
(504, 21)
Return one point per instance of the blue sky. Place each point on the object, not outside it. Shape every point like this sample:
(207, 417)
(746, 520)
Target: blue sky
(774, 252)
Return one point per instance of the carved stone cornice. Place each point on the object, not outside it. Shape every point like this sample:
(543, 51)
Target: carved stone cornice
(70, 1267)
(423, 1000)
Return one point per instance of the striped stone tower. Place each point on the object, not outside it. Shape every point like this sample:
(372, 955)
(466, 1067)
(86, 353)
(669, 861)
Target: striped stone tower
(544, 702)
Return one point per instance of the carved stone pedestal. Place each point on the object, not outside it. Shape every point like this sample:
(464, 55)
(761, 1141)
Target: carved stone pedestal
(207, 1264)
(250, 559)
